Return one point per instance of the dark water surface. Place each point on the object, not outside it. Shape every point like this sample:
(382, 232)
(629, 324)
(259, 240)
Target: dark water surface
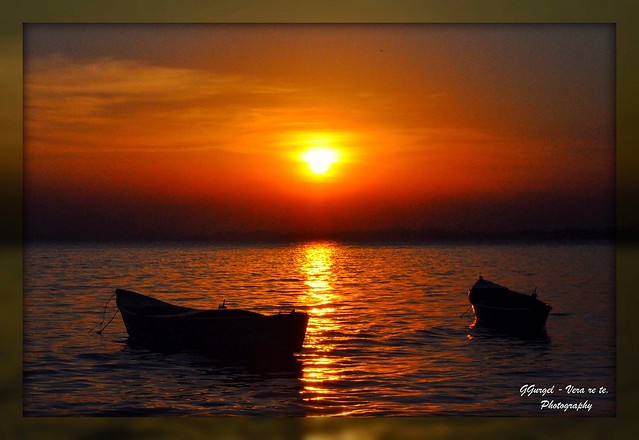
(385, 336)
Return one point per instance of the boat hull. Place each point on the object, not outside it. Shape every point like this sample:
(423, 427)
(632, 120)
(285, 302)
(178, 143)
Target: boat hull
(166, 327)
(502, 309)
(510, 319)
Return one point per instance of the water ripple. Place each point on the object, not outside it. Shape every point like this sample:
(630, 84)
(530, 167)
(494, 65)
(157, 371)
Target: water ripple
(385, 336)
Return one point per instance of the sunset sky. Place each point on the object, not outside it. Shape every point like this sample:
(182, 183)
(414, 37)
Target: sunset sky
(182, 131)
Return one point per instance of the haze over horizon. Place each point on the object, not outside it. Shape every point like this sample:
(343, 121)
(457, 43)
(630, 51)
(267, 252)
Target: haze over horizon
(183, 131)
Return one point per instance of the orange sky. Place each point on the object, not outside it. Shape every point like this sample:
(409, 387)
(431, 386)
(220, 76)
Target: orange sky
(197, 129)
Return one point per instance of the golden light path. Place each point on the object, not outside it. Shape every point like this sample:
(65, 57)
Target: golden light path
(316, 264)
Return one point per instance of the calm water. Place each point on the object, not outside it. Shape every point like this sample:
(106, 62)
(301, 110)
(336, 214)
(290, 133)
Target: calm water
(385, 335)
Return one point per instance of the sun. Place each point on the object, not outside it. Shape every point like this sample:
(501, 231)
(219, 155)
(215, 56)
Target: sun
(319, 160)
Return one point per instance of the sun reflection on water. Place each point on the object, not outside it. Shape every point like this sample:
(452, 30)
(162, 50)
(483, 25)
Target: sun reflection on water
(316, 265)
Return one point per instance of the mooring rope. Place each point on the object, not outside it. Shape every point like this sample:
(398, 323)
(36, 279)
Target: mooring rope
(107, 324)
(99, 332)
(466, 311)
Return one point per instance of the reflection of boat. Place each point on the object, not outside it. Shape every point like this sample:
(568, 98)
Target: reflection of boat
(500, 308)
(225, 332)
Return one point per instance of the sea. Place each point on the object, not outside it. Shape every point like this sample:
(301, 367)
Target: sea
(390, 331)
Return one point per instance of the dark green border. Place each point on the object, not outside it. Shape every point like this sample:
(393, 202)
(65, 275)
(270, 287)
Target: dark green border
(623, 13)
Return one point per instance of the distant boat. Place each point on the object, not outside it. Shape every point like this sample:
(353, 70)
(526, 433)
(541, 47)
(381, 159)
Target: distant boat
(500, 308)
(221, 332)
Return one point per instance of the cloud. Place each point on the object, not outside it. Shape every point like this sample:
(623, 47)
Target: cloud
(121, 105)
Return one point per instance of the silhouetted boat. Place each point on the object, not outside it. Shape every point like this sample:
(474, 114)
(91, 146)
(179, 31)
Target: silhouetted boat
(222, 332)
(500, 308)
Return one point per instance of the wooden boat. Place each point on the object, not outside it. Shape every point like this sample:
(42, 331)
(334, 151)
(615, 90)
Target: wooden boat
(223, 332)
(500, 308)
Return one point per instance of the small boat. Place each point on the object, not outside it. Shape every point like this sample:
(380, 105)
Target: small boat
(221, 332)
(500, 308)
